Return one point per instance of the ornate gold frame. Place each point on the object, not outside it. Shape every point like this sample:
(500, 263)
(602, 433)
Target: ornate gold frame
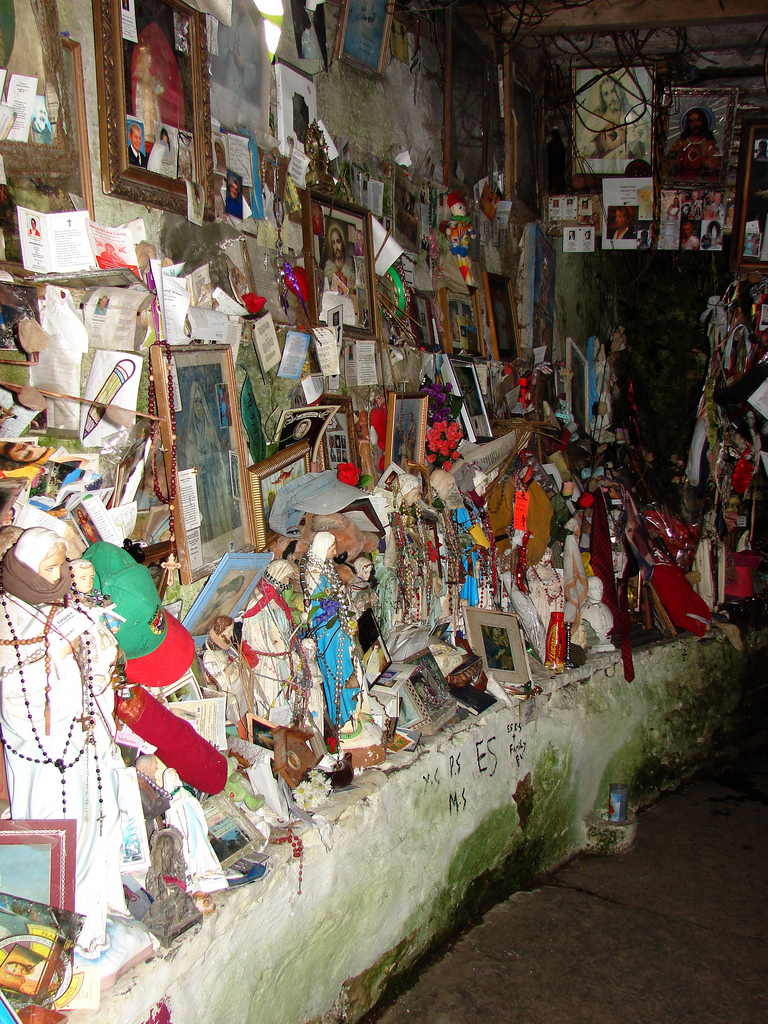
(28, 157)
(136, 183)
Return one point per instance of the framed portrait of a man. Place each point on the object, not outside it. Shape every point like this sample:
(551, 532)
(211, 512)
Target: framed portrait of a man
(339, 252)
(612, 119)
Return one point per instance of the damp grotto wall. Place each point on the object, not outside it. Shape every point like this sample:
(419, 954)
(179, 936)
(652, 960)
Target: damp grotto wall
(424, 843)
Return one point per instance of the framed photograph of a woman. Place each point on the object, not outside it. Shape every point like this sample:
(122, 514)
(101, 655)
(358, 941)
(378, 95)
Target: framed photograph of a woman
(498, 639)
(611, 119)
(212, 516)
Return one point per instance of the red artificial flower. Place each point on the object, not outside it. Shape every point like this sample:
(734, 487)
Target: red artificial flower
(348, 473)
(254, 303)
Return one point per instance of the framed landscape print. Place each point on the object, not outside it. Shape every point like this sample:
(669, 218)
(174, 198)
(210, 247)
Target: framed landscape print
(211, 509)
(154, 105)
(339, 262)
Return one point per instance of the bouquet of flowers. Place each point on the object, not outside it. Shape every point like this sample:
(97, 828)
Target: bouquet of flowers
(444, 431)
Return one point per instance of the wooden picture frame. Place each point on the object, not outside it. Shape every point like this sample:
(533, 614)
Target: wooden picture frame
(502, 316)
(612, 119)
(210, 457)
(37, 860)
(749, 251)
(422, 321)
(340, 437)
(338, 258)
(577, 388)
(462, 321)
(700, 159)
(462, 375)
(362, 37)
(498, 639)
(264, 481)
(44, 58)
(125, 86)
(226, 592)
(406, 428)
(73, 71)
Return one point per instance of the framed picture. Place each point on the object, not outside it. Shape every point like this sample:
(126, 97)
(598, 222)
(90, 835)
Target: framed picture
(296, 106)
(612, 118)
(699, 136)
(230, 832)
(36, 950)
(578, 398)
(309, 36)
(338, 256)
(135, 851)
(226, 592)
(497, 638)
(749, 250)
(211, 511)
(362, 38)
(153, 95)
(73, 73)
(30, 45)
(265, 481)
(305, 424)
(462, 374)
(461, 318)
(502, 316)
(37, 860)
(340, 437)
(406, 428)
(422, 323)
(375, 656)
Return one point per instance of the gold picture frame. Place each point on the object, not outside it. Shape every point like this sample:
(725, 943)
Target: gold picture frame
(267, 477)
(177, 90)
(210, 457)
(42, 25)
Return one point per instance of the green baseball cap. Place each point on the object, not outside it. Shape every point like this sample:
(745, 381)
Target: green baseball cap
(157, 647)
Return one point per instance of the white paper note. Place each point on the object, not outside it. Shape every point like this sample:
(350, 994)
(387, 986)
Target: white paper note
(365, 360)
(327, 348)
(21, 97)
(265, 340)
(294, 354)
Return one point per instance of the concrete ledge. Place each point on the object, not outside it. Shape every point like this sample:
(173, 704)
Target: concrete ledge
(482, 807)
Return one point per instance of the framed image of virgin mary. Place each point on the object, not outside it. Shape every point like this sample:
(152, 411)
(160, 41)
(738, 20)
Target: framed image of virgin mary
(153, 90)
(212, 515)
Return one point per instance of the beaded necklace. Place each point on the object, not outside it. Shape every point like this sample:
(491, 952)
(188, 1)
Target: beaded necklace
(87, 719)
(171, 562)
(345, 618)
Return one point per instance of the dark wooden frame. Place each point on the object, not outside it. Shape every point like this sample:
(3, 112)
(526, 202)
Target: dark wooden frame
(751, 204)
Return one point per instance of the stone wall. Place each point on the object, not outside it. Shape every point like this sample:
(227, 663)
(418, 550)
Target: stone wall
(475, 813)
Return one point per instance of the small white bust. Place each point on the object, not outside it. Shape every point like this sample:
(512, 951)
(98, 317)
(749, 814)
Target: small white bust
(598, 615)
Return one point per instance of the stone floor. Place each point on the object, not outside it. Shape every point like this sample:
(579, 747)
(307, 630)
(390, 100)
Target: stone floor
(674, 930)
